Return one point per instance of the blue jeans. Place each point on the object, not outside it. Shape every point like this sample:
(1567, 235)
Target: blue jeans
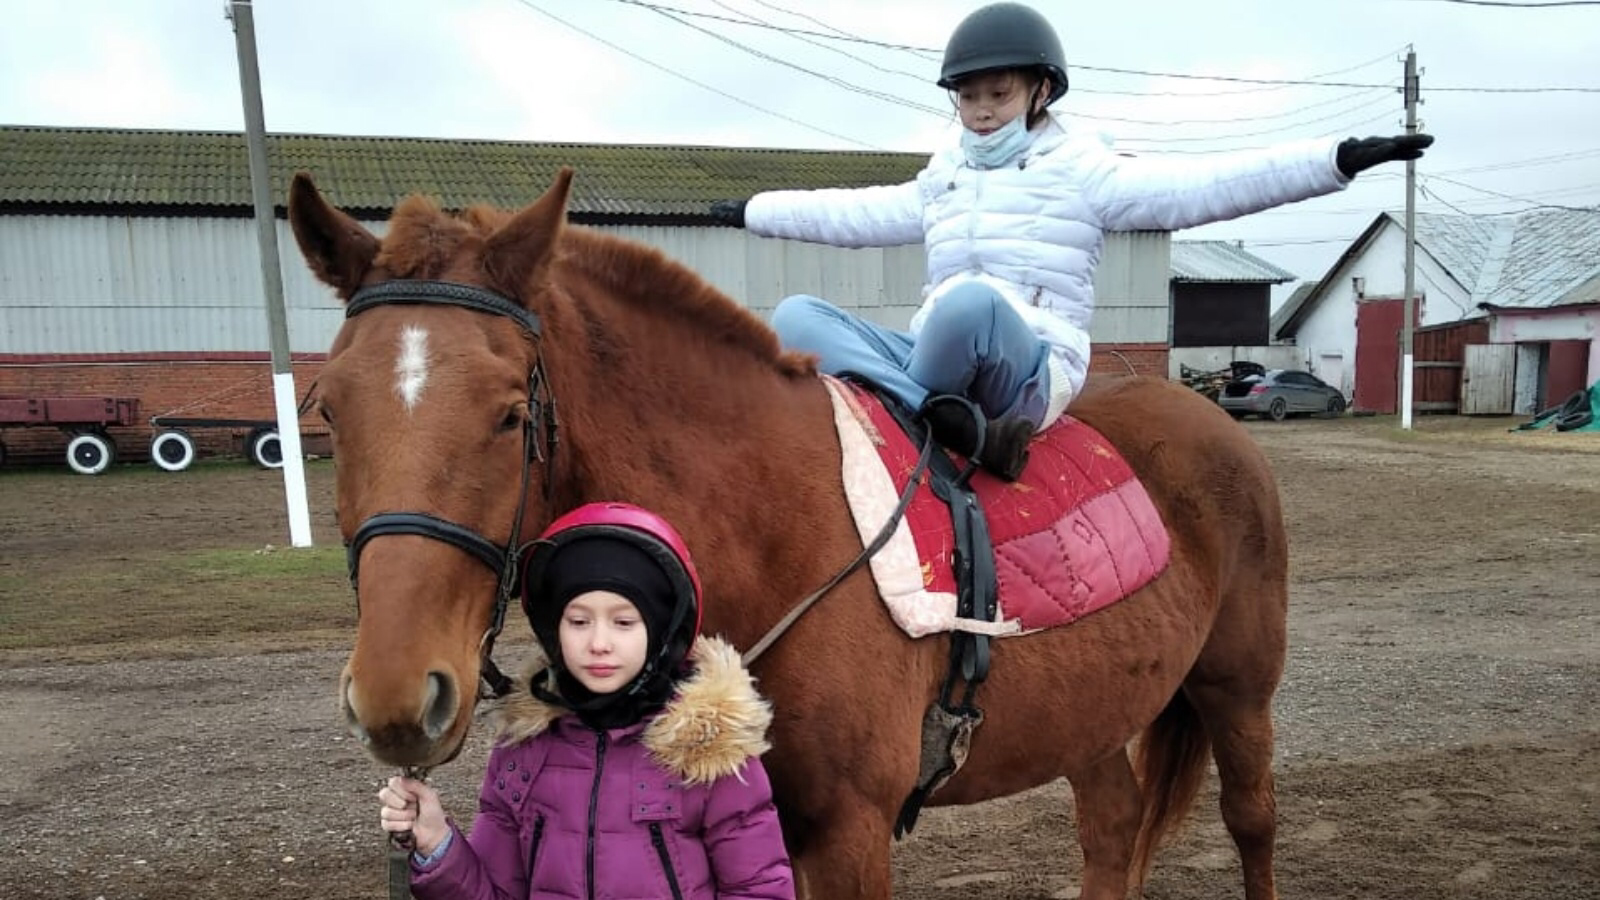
(972, 344)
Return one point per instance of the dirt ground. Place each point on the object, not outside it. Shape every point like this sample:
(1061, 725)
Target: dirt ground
(1439, 725)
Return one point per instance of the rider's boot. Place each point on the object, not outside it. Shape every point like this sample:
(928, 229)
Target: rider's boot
(998, 445)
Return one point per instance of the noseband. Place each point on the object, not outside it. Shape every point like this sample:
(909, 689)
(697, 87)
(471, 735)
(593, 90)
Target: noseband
(501, 559)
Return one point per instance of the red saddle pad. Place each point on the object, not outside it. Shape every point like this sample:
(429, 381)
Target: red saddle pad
(1075, 534)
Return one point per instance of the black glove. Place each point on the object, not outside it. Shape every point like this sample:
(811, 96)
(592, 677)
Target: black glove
(729, 212)
(1356, 155)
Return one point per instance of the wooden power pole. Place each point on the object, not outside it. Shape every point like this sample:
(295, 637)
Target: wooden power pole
(1407, 331)
(294, 472)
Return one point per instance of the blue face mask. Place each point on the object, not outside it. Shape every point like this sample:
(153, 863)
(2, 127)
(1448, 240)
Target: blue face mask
(998, 148)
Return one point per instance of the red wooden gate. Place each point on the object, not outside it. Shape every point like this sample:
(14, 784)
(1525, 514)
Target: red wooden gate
(1378, 323)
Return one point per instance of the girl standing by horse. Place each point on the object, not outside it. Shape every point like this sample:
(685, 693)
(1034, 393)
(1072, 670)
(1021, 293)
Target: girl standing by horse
(627, 767)
(1014, 221)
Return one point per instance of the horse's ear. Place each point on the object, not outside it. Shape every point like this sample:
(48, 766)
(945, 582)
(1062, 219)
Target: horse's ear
(519, 253)
(337, 247)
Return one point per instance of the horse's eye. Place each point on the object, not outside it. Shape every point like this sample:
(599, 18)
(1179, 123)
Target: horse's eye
(512, 420)
(327, 416)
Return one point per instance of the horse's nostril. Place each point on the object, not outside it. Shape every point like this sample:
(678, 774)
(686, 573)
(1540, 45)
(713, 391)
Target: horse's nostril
(439, 706)
(352, 719)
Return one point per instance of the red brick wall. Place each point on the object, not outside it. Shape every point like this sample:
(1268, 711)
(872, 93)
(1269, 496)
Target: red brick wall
(191, 385)
(239, 386)
(1146, 359)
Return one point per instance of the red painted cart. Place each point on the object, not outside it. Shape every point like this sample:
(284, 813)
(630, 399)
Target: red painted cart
(90, 449)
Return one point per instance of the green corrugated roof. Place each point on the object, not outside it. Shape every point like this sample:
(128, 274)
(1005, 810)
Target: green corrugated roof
(103, 167)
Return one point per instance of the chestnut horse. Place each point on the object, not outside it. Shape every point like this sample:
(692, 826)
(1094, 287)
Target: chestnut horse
(609, 372)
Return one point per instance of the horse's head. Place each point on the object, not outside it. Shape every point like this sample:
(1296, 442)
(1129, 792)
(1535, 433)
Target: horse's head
(433, 393)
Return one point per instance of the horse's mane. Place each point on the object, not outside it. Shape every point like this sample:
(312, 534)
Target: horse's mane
(425, 242)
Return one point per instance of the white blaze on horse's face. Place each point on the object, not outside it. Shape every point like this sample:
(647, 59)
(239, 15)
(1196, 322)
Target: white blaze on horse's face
(411, 368)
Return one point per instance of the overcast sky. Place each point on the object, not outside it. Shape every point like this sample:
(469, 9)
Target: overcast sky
(620, 71)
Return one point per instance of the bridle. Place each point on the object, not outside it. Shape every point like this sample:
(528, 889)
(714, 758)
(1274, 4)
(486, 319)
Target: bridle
(502, 559)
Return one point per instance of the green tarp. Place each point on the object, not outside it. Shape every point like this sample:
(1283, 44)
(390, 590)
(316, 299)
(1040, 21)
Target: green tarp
(1580, 412)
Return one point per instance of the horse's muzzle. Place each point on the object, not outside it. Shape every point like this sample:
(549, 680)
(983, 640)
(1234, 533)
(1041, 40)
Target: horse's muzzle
(413, 728)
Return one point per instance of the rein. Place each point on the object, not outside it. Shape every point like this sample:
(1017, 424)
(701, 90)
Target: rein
(867, 552)
(502, 559)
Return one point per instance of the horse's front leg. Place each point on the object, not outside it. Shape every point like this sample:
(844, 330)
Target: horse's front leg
(845, 854)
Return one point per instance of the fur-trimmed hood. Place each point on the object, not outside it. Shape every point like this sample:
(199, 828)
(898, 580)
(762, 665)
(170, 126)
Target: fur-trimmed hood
(714, 723)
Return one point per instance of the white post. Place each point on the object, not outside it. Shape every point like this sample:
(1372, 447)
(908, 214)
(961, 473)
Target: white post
(294, 471)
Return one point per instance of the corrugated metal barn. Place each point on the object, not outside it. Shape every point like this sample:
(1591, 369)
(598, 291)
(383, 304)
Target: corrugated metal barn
(128, 261)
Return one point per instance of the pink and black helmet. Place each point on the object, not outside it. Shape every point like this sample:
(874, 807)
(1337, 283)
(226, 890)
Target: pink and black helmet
(639, 527)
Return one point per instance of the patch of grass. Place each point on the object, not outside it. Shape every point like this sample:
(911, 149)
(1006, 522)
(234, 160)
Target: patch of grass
(144, 601)
(267, 562)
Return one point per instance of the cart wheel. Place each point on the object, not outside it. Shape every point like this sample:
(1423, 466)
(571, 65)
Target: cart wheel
(172, 451)
(264, 448)
(91, 453)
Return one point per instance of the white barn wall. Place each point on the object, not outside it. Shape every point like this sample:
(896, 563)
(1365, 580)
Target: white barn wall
(118, 284)
(1330, 329)
(1212, 359)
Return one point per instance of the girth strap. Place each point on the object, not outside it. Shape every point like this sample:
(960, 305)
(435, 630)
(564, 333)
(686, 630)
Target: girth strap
(951, 724)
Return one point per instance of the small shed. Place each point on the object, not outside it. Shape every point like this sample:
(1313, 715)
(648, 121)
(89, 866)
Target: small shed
(1221, 299)
(1221, 294)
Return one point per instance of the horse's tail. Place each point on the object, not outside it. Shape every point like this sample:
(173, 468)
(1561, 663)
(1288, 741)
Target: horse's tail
(1171, 765)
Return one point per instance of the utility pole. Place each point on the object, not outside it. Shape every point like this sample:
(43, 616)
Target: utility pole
(294, 473)
(1407, 332)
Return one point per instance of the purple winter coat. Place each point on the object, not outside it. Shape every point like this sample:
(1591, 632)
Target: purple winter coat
(677, 806)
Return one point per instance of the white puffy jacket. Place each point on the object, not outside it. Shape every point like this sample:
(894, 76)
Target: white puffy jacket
(1034, 230)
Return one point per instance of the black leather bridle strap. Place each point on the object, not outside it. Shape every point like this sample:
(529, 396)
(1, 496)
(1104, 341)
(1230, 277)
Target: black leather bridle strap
(433, 293)
(428, 526)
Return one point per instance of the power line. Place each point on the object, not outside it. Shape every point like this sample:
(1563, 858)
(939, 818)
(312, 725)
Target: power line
(928, 54)
(1331, 133)
(919, 79)
(1369, 210)
(700, 84)
(920, 54)
(1281, 128)
(1512, 197)
(1165, 123)
(759, 54)
(1525, 163)
(657, 7)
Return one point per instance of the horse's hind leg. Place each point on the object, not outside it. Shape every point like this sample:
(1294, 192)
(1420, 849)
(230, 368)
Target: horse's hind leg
(1234, 700)
(1109, 809)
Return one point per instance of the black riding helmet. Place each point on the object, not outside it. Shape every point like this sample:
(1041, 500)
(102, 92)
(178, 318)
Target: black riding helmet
(1004, 36)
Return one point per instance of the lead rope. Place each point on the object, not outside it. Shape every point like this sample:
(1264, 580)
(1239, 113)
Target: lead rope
(401, 845)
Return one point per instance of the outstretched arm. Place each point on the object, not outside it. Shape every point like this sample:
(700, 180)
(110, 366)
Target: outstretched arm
(1138, 194)
(883, 216)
